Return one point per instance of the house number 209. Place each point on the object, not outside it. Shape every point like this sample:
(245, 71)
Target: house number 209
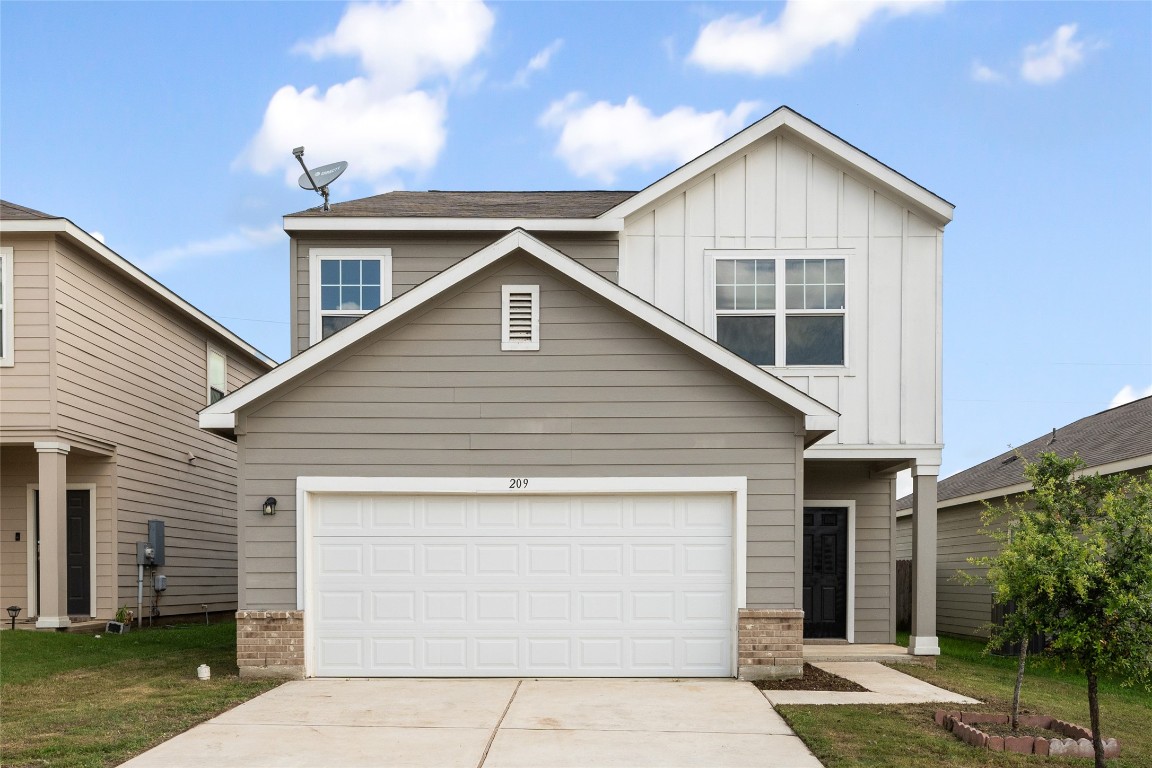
(518, 482)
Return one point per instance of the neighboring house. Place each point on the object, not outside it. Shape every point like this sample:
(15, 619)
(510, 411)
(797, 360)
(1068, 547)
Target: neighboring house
(597, 433)
(1116, 440)
(102, 373)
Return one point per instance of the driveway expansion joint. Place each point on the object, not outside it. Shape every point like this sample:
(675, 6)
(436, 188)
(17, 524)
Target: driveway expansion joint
(492, 738)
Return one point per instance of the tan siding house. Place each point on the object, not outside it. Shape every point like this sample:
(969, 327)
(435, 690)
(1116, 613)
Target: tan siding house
(99, 393)
(1116, 440)
(598, 433)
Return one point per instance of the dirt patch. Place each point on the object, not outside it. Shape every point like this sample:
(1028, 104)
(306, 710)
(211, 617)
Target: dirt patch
(999, 729)
(814, 679)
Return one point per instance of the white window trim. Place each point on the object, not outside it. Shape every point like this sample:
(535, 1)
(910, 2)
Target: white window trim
(383, 255)
(8, 358)
(507, 343)
(780, 257)
(850, 608)
(307, 487)
(209, 350)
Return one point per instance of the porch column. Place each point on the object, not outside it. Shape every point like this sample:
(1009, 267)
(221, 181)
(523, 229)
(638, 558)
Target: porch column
(53, 535)
(923, 640)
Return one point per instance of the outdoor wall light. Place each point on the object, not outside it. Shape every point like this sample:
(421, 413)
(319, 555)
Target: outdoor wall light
(269, 506)
(13, 612)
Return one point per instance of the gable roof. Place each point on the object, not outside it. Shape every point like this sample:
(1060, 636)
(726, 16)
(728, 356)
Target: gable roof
(18, 218)
(1114, 440)
(473, 205)
(598, 211)
(221, 416)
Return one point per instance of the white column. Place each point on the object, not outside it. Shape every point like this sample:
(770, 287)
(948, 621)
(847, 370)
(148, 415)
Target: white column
(923, 640)
(53, 479)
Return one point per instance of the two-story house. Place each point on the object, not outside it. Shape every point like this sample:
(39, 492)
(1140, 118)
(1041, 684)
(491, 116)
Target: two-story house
(102, 373)
(598, 433)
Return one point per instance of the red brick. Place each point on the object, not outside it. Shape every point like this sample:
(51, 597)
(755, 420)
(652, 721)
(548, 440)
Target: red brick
(1021, 745)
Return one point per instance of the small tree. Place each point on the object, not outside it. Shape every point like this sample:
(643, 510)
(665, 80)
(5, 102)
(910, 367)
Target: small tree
(1078, 561)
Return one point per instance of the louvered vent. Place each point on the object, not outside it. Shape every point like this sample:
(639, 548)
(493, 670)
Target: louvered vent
(521, 317)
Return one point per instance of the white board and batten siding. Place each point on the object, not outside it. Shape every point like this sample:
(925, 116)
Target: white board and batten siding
(479, 584)
(783, 195)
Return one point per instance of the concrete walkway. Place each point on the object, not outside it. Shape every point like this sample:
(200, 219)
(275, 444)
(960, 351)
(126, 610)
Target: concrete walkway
(885, 686)
(493, 724)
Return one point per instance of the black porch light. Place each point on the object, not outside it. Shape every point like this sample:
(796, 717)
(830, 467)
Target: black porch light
(13, 612)
(269, 506)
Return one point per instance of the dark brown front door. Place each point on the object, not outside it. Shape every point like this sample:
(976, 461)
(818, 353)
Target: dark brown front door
(825, 572)
(79, 546)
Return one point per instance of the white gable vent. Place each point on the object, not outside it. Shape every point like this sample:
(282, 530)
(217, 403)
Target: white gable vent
(520, 317)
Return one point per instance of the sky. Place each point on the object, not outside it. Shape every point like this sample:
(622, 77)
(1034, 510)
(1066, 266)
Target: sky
(167, 129)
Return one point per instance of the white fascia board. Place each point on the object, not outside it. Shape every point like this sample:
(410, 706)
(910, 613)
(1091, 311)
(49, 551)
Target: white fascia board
(132, 272)
(939, 209)
(338, 223)
(478, 261)
(927, 455)
(214, 421)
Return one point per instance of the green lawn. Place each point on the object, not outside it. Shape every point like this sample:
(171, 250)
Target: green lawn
(906, 736)
(79, 700)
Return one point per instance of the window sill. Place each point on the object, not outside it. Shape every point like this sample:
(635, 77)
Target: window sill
(809, 370)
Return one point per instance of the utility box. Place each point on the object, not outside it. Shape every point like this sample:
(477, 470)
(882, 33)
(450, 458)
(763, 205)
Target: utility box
(160, 583)
(156, 541)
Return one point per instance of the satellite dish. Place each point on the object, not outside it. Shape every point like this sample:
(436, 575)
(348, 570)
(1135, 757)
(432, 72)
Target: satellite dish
(322, 176)
(318, 179)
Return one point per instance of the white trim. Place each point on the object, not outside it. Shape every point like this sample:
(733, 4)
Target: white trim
(306, 487)
(818, 416)
(338, 223)
(507, 343)
(785, 120)
(923, 646)
(921, 454)
(34, 575)
(132, 272)
(850, 505)
(7, 332)
(315, 313)
(51, 447)
(209, 350)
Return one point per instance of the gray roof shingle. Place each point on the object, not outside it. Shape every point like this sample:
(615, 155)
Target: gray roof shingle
(1117, 434)
(12, 211)
(478, 205)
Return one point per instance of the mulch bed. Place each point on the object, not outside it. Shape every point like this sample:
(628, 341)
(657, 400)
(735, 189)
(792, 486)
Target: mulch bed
(814, 679)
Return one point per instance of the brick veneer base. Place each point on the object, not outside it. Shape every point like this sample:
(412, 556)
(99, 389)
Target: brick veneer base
(270, 644)
(771, 644)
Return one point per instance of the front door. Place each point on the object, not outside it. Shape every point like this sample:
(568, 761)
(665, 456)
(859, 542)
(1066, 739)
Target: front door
(825, 572)
(79, 566)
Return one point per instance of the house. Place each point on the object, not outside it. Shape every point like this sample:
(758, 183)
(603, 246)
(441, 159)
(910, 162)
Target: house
(102, 373)
(1116, 440)
(597, 433)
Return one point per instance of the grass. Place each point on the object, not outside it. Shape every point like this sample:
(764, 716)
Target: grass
(906, 736)
(74, 700)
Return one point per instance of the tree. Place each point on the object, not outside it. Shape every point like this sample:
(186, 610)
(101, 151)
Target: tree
(1076, 557)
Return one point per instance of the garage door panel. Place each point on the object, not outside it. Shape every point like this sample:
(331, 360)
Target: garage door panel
(568, 586)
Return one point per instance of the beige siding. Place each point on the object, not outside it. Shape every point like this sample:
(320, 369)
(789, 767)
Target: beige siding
(904, 537)
(416, 258)
(784, 194)
(25, 388)
(434, 396)
(131, 372)
(875, 561)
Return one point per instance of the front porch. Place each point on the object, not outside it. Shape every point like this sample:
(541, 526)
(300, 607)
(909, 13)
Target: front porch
(885, 653)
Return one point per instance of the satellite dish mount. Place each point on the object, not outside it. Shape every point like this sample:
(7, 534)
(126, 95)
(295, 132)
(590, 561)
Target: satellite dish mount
(318, 179)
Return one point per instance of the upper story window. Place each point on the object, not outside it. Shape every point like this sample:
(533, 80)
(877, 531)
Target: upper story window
(6, 319)
(347, 283)
(217, 375)
(781, 311)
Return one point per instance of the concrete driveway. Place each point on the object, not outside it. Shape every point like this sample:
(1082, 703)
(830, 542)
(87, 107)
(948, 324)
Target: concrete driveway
(494, 724)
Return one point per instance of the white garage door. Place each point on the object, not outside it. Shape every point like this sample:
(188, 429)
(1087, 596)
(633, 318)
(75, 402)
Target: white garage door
(565, 586)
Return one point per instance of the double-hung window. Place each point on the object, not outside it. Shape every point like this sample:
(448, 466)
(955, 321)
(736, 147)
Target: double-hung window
(217, 375)
(347, 283)
(776, 311)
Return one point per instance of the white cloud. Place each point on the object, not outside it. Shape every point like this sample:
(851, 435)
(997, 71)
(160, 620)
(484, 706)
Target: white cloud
(245, 239)
(97, 235)
(748, 45)
(1050, 60)
(392, 117)
(982, 73)
(602, 139)
(1128, 393)
(537, 63)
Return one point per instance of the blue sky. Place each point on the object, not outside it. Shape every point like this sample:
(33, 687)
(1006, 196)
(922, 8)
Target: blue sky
(167, 128)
